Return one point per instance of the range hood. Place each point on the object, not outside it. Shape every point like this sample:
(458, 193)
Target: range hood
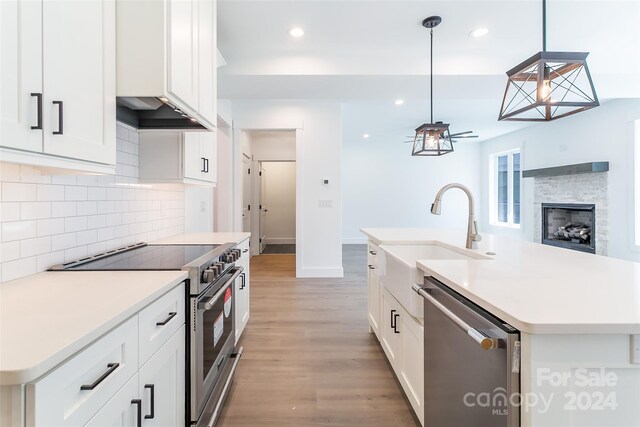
(153, 113)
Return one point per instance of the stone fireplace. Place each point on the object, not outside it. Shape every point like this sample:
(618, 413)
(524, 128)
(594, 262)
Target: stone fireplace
(584, 196)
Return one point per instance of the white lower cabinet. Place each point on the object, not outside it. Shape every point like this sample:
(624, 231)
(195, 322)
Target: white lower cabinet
(401, 337)
(242, 289)
(373, 290)
(161, 384)
(121, 410)
(135, 371)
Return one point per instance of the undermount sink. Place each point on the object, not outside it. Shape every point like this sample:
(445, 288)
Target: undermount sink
(398, 271)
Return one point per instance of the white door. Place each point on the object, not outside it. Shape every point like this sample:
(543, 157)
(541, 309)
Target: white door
(161, 384)
(193, 160)
(263, 209)
(21, 74)
(121, 410)
(207, 72)
(247, 194)
(183, 50)
(79, 79)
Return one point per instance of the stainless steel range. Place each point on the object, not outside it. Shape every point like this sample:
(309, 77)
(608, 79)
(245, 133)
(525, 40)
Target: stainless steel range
(211, 355)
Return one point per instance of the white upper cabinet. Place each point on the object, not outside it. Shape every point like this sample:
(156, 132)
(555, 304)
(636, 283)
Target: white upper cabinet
(58, 83)
(181, 157)
(167, 48)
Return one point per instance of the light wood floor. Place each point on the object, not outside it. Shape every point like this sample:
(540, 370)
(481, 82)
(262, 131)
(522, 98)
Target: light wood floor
(308, 357)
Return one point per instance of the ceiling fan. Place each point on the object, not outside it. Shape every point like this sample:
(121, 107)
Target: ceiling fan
(454, 136)
(434, 139)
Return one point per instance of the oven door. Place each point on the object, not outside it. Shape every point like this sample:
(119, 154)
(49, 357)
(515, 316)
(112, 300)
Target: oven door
(212, 343)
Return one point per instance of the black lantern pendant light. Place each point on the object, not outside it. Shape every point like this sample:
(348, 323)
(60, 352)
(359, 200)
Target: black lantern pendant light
(432, 139)
(549, 85)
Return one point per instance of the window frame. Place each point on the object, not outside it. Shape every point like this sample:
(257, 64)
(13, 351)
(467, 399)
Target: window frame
(493, 189)
(636, 184)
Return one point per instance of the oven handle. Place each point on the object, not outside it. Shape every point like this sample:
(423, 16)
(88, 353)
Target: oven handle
(225, 389)
(208, 304)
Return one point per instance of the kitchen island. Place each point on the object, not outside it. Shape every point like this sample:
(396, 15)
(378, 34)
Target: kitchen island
(578, 315)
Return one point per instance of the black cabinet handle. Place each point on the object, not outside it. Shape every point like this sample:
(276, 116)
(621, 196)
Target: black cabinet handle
(203, 162)
(244, 251)
(206, 165)
(371, 267)
(244, 281)
(138, 403)
(152, 396)
(165, 321)
(372, 252)
(111, 367)
(39, 118)
(395, 323)
(60, 105)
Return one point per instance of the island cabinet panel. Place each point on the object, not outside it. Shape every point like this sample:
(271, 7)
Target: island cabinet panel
(58, 106)
(122, 410)
(373, 289)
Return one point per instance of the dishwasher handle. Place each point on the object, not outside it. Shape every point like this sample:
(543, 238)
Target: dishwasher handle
(485, 342)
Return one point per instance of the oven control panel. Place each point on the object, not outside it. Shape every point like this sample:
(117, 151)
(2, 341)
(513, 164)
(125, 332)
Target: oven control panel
(216, 269)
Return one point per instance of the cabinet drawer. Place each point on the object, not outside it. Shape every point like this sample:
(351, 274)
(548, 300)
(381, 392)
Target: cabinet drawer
(372, 251)
(74, 392)
(244, 246)
(160, 320)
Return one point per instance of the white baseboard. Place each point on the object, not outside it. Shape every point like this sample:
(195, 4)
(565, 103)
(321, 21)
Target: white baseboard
(320, 272)
(279, 241)
(354, 240)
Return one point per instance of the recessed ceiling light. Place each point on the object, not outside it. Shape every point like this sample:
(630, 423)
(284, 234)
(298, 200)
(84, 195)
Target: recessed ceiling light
(479, 32)
(365, 136)
(296, 32)
(399, 101)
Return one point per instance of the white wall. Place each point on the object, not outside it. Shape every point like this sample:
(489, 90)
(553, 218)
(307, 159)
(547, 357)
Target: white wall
(198, 202)
(279, 198)
(48, 220)
(605, 133)
(223, 192)
(318, 152)
(272, 144)
(384, 186)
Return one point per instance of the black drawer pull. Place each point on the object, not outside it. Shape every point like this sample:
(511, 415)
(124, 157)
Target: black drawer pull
(372, 252)
(138, 403)
(39, 118)
(244, 281)
(203, 162)
(165, 321)
(60, 130)
(395, 323)
(112, 367)
(244, 251)
(152, 413)
(206, 165)
(371, 267)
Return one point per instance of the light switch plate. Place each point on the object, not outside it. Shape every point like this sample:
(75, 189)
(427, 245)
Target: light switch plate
(325, 203)
(635, 349)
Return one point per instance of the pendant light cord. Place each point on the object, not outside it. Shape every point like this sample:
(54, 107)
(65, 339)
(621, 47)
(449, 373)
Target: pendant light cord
(431, 75)
(544, 25)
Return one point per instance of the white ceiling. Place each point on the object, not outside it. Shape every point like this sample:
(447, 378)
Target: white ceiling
(367, 53)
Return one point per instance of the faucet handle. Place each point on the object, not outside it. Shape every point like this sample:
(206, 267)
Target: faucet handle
(474, 234)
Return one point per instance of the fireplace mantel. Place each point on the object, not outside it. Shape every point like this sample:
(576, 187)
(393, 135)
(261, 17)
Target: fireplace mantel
(579, 168)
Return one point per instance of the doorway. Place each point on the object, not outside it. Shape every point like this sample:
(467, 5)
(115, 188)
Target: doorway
(277, 207)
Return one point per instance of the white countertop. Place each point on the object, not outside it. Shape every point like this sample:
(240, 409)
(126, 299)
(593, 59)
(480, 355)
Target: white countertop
(536, 288)
(202, 239)
(48, 317)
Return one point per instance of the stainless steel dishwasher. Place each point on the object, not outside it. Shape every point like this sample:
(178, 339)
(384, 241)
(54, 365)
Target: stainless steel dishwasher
(471, 363)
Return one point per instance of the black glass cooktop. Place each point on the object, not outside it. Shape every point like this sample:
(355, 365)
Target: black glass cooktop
(161, 257)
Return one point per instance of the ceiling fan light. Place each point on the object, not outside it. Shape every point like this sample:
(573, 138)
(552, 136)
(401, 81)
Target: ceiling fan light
(432, 139)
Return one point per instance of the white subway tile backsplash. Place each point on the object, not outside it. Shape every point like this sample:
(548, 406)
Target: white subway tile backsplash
(63, 209)
(9, 211)
(76, 223)
(51, 226)
(63, 241)
(35, 210)
(33, 247)
(51, 219)
(18, 192)
(18, 230)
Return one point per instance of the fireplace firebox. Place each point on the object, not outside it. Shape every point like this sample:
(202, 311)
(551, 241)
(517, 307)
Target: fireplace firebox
(571, 226)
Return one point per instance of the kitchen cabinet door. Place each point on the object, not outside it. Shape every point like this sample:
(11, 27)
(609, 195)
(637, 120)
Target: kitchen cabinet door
(373, 299)
(162, 384)
(21, 74)
(79, 79)
(122, 410)
(207, 60)
(182, 55)
(390, 326)
(412, 361)
(243, 291)
(208, 152)
(194, 162)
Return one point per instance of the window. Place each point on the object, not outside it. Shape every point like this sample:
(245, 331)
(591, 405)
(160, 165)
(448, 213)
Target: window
(637, 182)
(505, 189)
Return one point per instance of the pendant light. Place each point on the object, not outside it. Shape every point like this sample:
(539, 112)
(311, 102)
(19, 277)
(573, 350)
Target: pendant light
(432, 139)
(549, 85)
